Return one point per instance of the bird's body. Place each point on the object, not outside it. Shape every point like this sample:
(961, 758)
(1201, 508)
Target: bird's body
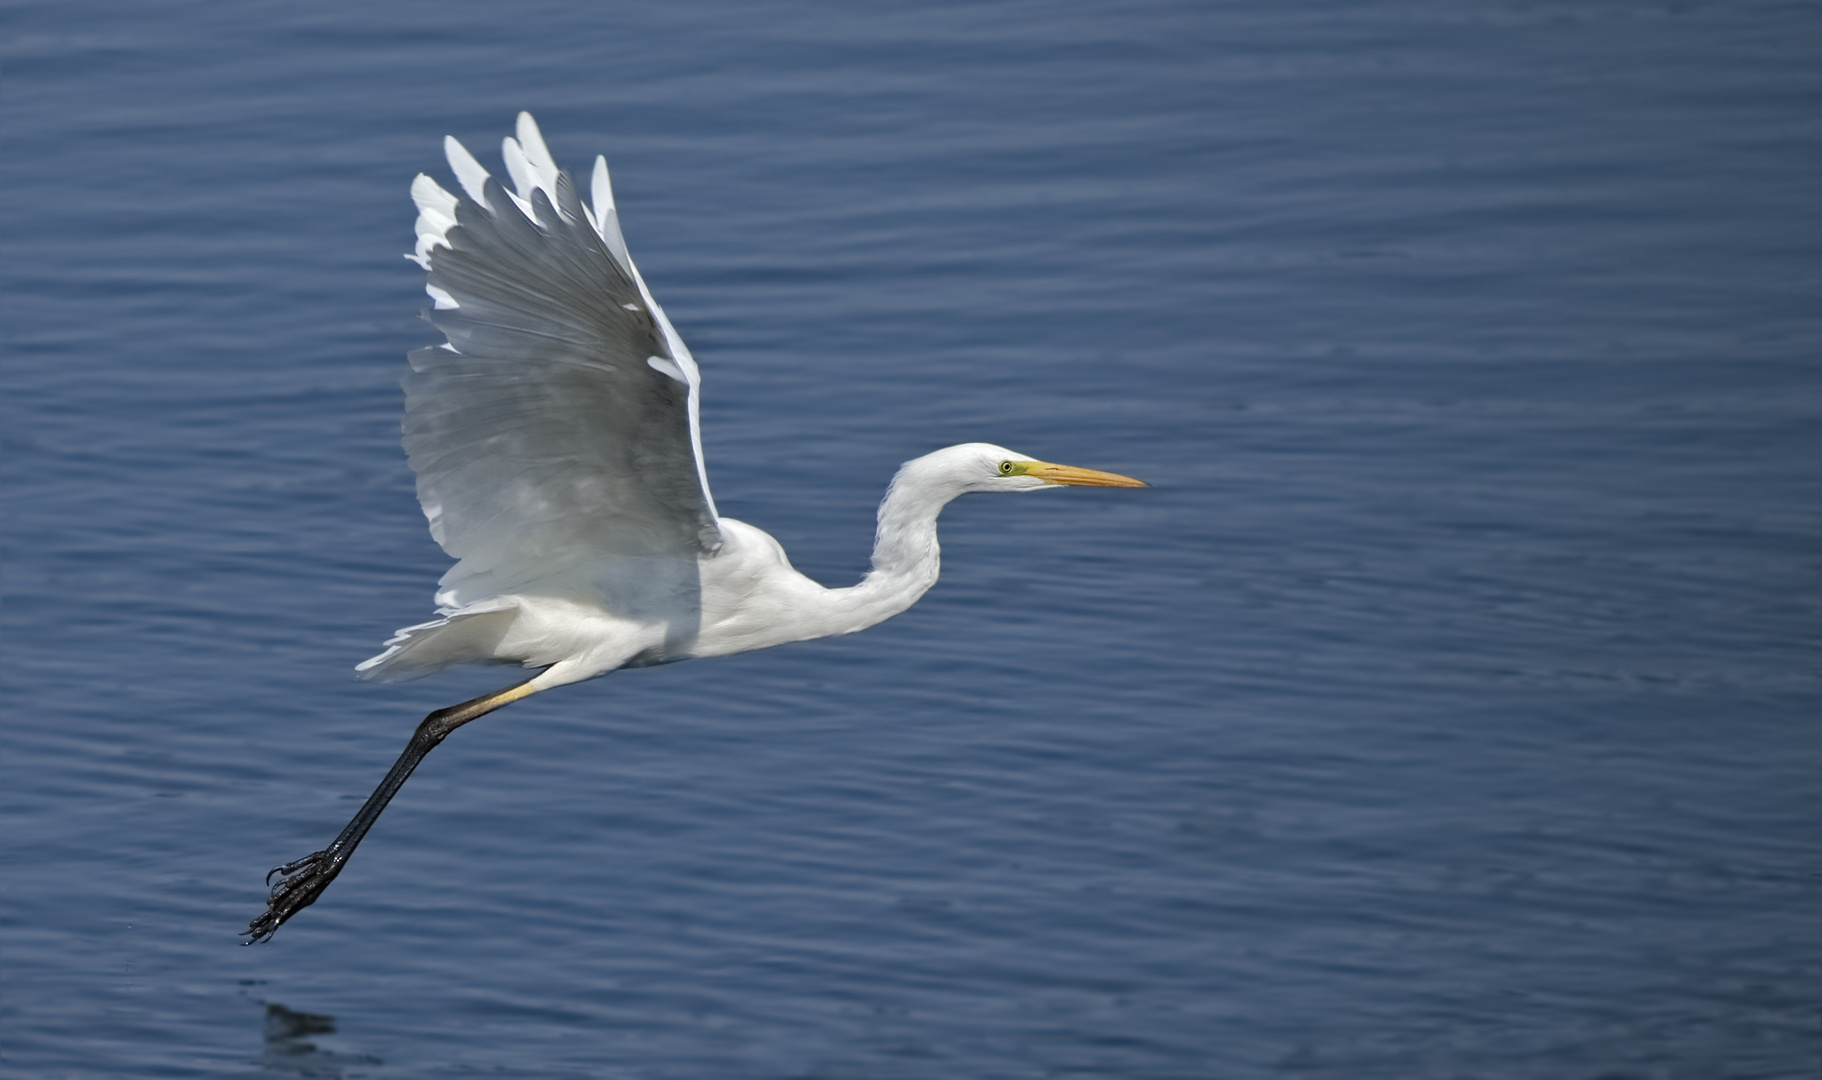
(744, 596)
(555, 439)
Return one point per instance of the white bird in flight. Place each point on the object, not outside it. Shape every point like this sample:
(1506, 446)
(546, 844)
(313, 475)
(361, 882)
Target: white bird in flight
(554, 435)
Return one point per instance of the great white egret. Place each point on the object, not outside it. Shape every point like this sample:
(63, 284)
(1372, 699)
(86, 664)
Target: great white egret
(555, 440)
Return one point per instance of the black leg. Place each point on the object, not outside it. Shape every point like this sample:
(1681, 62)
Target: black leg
(301, 882)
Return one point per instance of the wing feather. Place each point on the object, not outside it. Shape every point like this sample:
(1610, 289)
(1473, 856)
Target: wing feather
(548, 440)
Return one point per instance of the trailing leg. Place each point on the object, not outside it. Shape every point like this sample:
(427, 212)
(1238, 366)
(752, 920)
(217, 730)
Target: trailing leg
(301, 882)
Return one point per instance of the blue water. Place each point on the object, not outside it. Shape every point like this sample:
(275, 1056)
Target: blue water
(1449, 707)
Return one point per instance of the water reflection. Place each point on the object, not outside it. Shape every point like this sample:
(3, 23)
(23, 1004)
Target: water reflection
(288, 1050)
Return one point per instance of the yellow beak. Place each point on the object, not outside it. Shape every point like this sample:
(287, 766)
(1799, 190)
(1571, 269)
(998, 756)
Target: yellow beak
(1069, 474)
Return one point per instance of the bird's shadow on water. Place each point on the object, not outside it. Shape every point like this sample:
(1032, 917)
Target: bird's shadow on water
(287, 1050)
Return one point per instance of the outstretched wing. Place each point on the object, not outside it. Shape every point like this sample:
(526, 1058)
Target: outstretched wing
(556, 429)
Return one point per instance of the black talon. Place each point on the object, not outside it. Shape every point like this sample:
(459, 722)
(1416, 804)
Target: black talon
(303, 882)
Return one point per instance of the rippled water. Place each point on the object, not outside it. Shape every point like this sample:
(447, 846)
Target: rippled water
(1449, 707)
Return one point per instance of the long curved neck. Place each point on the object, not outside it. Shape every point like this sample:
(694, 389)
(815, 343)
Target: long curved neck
(906, 555)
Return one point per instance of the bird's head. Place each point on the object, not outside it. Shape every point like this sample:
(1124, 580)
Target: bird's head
(986, 467)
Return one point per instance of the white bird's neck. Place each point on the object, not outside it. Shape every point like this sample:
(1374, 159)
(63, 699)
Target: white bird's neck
(754, 599)
(905, 546)
(906, 555)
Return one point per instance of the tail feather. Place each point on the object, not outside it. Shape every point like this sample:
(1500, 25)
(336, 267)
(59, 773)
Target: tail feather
(462, 638)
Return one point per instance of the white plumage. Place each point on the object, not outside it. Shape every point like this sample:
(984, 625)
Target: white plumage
(555, 436)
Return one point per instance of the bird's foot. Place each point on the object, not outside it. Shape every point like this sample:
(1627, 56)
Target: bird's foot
(299, 884)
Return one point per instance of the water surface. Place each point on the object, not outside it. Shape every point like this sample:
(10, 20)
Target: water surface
(1448, 708)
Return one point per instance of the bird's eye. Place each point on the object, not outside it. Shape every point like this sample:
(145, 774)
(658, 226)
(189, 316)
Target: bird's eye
(1005, 468)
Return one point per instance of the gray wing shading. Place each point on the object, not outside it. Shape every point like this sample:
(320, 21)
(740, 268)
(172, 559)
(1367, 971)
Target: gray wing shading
(555, 433)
